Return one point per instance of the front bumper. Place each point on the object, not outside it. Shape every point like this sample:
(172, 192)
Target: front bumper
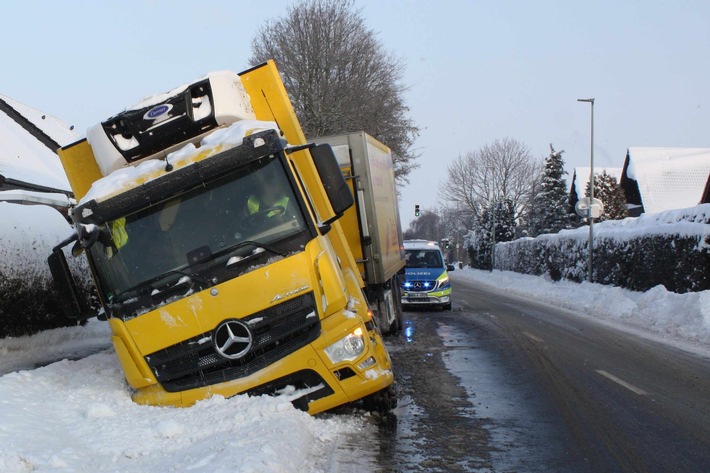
(437, 297)
(326, 385)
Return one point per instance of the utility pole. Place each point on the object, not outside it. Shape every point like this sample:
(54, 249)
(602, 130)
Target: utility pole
(591, 192)
(493, 235)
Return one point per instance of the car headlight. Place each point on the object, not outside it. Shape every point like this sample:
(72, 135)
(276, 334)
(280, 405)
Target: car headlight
(444, 282)
(347, 348)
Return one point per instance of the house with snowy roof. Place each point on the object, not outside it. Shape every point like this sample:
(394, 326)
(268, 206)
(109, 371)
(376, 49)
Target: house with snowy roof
(659, 179)
(30, 170)
(580, 180)
(706, 193)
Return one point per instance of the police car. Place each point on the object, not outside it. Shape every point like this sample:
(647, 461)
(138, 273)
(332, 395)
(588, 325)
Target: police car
(426, 278)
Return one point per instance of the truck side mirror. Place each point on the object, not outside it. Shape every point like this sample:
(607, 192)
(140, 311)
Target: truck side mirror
(72, 304)
(337, 190)
(450, 267)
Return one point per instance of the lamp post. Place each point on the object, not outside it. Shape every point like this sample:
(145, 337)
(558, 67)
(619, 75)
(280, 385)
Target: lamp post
(591, 189)
(493, 236)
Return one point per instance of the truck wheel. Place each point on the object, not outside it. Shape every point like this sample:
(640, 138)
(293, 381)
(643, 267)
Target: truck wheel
(398, 322)
(382, 401)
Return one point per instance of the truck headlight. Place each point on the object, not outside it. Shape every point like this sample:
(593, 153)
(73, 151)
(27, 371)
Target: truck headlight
(347, 348)
(444, 282)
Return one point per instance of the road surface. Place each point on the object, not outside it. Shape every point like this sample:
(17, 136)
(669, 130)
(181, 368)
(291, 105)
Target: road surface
(506, 384)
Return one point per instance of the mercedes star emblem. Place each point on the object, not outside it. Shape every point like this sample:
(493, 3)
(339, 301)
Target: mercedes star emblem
(232, 339)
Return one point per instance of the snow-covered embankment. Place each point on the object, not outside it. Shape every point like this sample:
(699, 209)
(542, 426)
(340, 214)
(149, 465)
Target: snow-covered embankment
(673, 317)
(78, 416)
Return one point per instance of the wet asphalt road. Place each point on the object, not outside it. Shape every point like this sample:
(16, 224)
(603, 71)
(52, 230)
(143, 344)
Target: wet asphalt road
(505, 384)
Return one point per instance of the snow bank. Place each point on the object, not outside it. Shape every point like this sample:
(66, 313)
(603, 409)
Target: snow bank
(130, 176)
(675, 317)
(78, 416)
(31, 351)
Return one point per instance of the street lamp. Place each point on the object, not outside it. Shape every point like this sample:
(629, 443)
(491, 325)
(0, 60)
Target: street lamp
(591, 189)
(493, 235)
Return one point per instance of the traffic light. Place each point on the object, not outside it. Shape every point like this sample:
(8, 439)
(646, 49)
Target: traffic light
(416, 211)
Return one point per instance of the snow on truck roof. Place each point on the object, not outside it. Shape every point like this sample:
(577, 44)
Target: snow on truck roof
(132, 176)
(668, 178)
(27, 137)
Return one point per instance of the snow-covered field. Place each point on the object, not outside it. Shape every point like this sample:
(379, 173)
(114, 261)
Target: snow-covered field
(77, 416)
(679, 319)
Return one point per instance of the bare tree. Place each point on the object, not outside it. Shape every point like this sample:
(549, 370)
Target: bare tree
(339, 76)
(428, 226)
(502, 170)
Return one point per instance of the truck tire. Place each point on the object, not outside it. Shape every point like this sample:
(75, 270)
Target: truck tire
(398, 322)
(382, 401)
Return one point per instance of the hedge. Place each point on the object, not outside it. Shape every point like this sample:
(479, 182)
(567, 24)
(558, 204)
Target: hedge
(28, 298)
(671, 249)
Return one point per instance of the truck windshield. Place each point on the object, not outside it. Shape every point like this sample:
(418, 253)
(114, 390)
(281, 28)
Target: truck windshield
(251, 212)
(423, 259)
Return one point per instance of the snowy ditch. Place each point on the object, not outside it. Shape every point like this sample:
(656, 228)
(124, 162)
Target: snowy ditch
(78, 415)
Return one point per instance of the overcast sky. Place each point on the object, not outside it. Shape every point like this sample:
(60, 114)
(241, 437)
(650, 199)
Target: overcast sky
(477, 70)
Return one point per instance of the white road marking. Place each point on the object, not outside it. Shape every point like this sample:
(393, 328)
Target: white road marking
(623, 383)
(533, 337)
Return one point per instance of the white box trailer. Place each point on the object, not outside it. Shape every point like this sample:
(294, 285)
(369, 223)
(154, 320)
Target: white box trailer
(372, 226)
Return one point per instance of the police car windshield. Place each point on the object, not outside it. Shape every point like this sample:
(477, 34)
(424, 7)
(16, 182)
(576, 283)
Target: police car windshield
(189, 231)
(424, 259)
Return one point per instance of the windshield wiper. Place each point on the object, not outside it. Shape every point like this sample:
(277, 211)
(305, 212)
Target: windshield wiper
(261, 246)
(149, 283)
(162, 294)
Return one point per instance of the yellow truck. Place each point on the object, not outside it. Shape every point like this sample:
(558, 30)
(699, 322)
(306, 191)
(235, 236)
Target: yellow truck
(212, 229)
(372, 226)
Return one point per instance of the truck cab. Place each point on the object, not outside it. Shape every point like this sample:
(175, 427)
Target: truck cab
(426, 279)
(212, 231)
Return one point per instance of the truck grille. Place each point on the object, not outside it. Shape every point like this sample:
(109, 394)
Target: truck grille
(276, 332)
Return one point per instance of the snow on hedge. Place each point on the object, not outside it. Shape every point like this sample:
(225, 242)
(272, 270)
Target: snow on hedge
(670, 248)
(78, 416)
(693, 221)
(673, 317)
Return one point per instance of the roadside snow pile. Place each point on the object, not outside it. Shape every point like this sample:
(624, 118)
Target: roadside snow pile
(683, 317)
(30, 351)
(78, 416)
(670, 248)
(150, 169)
